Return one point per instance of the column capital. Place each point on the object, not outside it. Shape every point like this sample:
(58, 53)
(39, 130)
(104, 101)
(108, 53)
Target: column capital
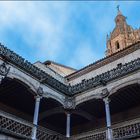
(40, 91)
(37, 98)
(106, 100)
(69, 103)
(68, 112)
(39, 94)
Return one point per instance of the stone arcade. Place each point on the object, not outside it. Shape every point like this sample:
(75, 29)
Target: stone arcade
(49, 101)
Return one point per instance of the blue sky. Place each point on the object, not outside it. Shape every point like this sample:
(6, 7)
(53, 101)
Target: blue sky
(72, 33)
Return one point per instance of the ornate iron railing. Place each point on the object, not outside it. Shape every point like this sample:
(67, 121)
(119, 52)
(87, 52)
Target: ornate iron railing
(20, 128)
(121, 131)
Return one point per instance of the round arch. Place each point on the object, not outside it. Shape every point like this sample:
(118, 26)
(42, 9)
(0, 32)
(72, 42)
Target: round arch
(124, 103)
(26, 80)
(33, 85)
(55, 97)
(122, 85)
(17, 98)
(87, 98)
(53, 94)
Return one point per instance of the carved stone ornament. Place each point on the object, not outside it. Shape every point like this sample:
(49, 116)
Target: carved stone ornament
(4, 69)
(69, 103)
(104, 93)
(40, 91)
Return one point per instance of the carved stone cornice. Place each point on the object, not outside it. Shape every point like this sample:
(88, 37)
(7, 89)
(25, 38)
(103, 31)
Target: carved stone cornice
(118, 72)
(102, 79)
(39, 74)
(104, 61)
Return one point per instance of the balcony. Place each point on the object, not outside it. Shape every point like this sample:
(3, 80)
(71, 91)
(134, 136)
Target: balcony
(121, 131)
(22, 129)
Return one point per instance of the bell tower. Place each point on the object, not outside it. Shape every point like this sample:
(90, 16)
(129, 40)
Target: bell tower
(122, 36)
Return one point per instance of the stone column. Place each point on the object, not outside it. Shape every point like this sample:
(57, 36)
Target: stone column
(68, 124)
(108, 119)
(35, 119)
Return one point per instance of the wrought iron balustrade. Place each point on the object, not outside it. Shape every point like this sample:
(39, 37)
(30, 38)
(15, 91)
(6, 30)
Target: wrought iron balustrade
(18, 127)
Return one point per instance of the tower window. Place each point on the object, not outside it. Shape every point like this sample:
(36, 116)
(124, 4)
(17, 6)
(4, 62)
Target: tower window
(117, 45)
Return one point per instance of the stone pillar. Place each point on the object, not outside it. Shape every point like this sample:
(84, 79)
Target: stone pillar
(68, 124)
(35, 119)
(108, 119)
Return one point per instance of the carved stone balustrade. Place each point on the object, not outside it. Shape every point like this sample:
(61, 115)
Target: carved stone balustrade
(98, 136)
(125, 130)
(18, 127)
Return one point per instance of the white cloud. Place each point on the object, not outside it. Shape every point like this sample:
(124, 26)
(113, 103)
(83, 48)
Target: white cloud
(46, 28)
(83, 55)
(41, 28)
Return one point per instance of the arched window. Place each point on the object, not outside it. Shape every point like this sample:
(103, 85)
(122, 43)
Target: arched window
(117, 45)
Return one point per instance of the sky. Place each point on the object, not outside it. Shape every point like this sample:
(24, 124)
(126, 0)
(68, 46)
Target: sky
(72, 33)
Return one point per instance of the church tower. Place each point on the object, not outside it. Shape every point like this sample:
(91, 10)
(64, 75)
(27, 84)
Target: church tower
(122, 36)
